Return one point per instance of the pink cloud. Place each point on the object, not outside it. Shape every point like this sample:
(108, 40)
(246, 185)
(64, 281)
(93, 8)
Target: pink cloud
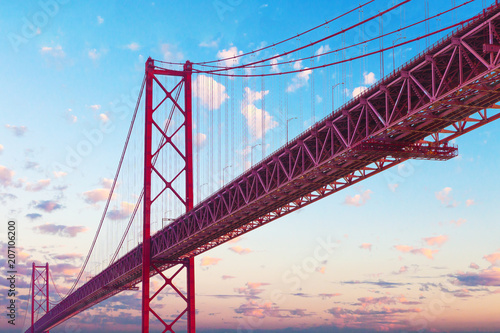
(359, 199)
(324, 296)
(60, 230)
(321, 269)
(6, 176)
(227, 277)
(493, 259)
(474, 265)
(126, 209)
(366, 246)
(94, 196)
(429, 253)
(446, 197)
(240, 250)
(403, 248)
(209, 261)
(38, 186)
(438, 240)
(469, 202)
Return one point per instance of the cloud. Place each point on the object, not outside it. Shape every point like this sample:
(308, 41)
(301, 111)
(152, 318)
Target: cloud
(6, 176)
(393, 187)
(358, 91)
(402, 270)
(103, 117)
(38, 186)
(210, 93)
(474, 265)
(171, 53)
(446, 197)
(100, 20)
(227, 277)
(251, 289)
(199, 140)
(64, 269)
(55, 52)
(359, 199)
(68, 256)
(59, 174)
(59, 230)
(33, 216)
(324, 296)
(94, 196)
(254, 115)
(240, 250)
(1, 149)
(229, 53)
(17, 130)
(300, 79)
(487, 277)
(212, 43)
(274, 65)
(31, 165)
(438, 240)
(469, 202)
(493, 259)
(6, 196)
(106, 182)
(379, 283)
(209, 261)
(94, 54)
(429, 253)
(46, 205)
(133, 46)
(125, 210)
(369, 78)
(95, 107)
(322, 50)
(366, 246)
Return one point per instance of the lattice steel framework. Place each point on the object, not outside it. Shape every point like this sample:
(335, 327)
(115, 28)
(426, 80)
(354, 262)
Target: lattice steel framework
(443, 93)
(151, 267)
(39, 292)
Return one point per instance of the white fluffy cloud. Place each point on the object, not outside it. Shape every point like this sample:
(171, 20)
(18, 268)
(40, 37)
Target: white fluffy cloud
(205, 86)
(357, 91)
(229, 53)
(300, 79)
(254, 115)
(369, 78)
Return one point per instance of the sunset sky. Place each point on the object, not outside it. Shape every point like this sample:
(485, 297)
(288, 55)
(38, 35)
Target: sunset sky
(416, 247)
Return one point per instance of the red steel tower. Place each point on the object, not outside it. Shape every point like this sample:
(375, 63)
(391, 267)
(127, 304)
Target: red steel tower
(39, 291)
(150, 267)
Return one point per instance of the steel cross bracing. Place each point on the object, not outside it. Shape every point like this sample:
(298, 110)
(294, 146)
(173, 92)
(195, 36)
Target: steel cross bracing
(39, 291)
(438, 96)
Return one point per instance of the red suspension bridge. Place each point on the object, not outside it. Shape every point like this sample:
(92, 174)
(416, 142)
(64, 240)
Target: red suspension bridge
(447, 90)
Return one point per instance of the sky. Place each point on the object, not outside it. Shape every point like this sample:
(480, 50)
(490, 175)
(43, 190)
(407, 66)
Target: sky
(414, 248)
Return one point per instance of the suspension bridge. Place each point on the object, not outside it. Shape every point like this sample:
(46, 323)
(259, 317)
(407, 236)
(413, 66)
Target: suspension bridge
(192, 191)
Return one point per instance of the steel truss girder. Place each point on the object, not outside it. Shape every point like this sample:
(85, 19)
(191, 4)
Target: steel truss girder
(438, 96)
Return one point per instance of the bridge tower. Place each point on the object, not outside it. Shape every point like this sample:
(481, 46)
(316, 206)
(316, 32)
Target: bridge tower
(39, 291)
(185, 153)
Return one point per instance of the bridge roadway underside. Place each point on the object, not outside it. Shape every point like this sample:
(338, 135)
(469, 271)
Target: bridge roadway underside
(433, 97)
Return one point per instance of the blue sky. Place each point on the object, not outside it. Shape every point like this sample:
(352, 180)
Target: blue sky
(402, 244)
